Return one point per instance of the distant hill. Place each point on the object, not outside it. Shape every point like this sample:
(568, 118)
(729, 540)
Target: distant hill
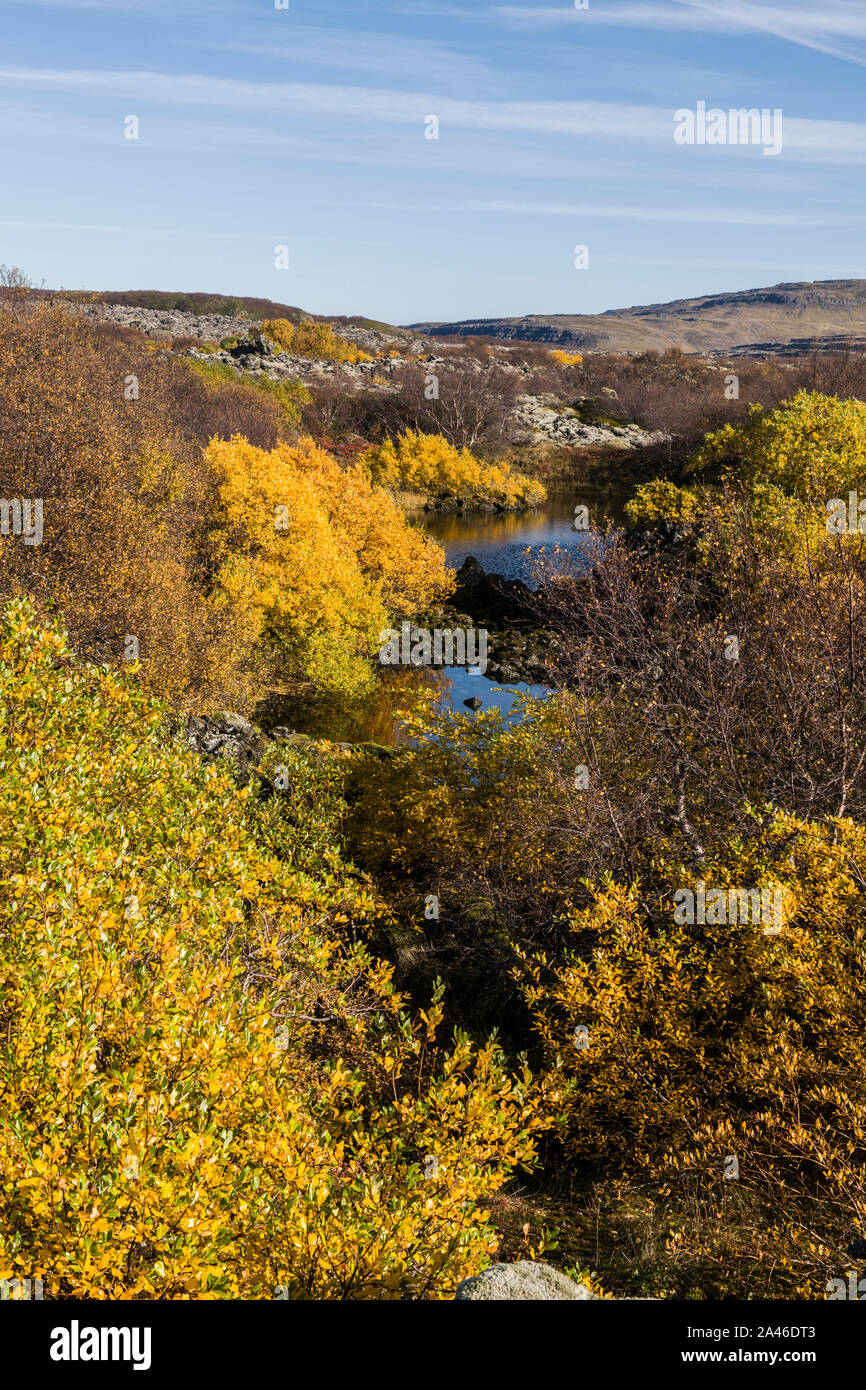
(784, 318)
(191, 302)
(229, 305)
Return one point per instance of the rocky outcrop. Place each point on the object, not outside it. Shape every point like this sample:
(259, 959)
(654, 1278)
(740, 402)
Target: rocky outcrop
(522, 1282)
(517, 650)
(534, 420)
(231, 736)
(227, 735)
(515, 657)
(373, 339)
(171, 323)
(180, 323)
(255, 356)
(490, 598)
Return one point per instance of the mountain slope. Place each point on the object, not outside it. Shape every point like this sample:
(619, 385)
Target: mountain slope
(763, 319)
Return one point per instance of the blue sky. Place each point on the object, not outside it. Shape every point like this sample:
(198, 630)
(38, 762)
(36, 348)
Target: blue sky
(305, 127)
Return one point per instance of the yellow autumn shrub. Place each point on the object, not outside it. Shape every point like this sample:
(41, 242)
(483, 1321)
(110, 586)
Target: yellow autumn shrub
(811, 446)
(779, 471)
(312, 339)
(680, 1045)
(566, 359)
(208, 1088)
(316, 558)
(428, 463)
(121, 498)
(661, 500)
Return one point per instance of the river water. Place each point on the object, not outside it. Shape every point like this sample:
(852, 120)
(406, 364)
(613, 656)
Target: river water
(507, 543)
(502, 543)
(510, 544)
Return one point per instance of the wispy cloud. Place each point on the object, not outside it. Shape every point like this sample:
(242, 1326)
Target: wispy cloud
(714, 216)
(804, 138)
(190, 232)
(426, 60)
(811, 25)
(374, 103)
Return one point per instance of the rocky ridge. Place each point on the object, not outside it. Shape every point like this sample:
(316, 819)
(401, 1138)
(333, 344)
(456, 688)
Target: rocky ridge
(537, 420)
(256, 356)
(181, 323)
(171, 323)
(533, 419)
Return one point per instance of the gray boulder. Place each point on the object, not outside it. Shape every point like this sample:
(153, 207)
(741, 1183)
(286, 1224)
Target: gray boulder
(520, 1282)
(233, 724)
(536, 419)
(226, 734)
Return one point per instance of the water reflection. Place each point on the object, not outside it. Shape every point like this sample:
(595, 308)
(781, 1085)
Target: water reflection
(380, 718)
(506, 543)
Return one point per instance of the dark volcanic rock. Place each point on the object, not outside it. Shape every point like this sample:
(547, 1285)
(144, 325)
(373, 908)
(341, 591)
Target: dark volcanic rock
(508, 610)
(490, 597)
(659, 537)
(227, 735)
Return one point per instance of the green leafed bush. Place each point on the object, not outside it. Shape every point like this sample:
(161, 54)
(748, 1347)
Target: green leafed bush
(208, 1088)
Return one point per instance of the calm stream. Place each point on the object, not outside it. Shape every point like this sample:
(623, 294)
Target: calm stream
(502, 543)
